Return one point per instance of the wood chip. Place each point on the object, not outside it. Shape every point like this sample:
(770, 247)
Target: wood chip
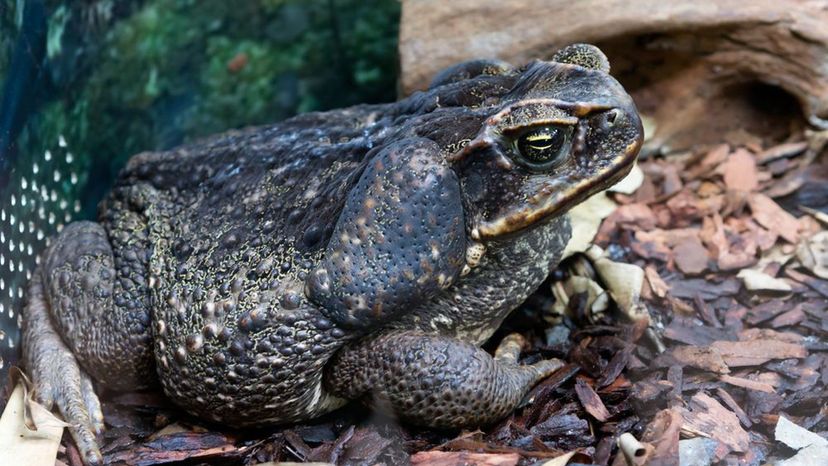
(640, 215)
(708, 163)
(663, 434)
(453, 458)
(758, 334)
(783, 150)
(690, 333)
(734, 406)
(704, 358)
(740, 171)
(757, 352)
(768, 214)
(706, 417)
(707, 290)
(591, 401)
(786, 319)
(659, 286)
(690, 256)
(747, 383)
(820, 286)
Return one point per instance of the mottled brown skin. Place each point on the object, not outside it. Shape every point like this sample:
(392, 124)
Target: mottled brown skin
(271, 274)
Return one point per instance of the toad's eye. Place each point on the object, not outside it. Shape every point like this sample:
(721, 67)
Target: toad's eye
(544, 146)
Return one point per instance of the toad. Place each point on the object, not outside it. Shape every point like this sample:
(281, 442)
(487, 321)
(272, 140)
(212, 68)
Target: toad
(272, 274)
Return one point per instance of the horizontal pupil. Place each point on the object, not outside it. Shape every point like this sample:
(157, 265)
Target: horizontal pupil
(540, 142)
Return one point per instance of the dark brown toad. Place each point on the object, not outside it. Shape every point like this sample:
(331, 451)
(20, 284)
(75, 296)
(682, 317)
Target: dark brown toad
(272, 274)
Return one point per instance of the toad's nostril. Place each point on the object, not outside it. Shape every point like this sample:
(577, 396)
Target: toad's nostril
(612, 116)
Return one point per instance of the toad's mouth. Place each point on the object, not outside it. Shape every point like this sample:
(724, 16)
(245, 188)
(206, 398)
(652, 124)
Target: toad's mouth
(556, 197)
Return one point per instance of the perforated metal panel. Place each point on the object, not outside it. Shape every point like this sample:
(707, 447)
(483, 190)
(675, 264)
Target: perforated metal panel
(35, 204)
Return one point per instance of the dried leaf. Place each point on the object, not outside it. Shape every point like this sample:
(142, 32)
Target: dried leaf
(813, 449)
(813, 254)
(759, 281)
(623, 282)
(630, 183)
(21, 445)
(585, 220)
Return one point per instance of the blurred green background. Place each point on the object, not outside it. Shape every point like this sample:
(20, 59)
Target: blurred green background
(88, 83)
(125, 76)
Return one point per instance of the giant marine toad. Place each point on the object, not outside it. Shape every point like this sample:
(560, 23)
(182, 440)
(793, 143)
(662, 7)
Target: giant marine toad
(272, 274)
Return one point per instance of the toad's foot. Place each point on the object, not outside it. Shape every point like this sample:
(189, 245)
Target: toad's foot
(58, 378)
(436, 380)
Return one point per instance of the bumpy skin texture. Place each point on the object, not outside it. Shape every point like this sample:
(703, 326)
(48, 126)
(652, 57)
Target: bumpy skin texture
(399, 240)
(271, 274)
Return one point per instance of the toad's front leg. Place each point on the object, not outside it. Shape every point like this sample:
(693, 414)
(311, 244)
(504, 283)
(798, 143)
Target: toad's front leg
(434, 380)
(399, 240)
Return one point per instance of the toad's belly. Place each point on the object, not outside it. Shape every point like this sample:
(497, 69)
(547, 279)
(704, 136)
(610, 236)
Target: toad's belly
(259, 366)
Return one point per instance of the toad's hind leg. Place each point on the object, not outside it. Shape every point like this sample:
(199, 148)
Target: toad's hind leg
(434, 380)
(79, 310)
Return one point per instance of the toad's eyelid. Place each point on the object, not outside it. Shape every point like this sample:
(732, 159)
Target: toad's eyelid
(539, 123)
(576, 109)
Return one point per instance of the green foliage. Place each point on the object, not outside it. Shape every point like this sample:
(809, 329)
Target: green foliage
(176, 70)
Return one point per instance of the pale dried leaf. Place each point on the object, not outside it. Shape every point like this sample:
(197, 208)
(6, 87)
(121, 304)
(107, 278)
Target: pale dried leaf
(630, 183)
(813, 254)
(812, 448)
(756, 280)
(623, 281)
(19, 444)
(585, 219)
(794, 436)
(562, 460)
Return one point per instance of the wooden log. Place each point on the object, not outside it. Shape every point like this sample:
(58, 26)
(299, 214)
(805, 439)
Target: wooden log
(680, 59)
